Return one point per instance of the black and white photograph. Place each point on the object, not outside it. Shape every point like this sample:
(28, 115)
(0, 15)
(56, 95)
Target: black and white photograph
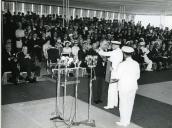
(86, 63)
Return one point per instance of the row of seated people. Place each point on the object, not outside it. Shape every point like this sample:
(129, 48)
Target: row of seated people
(19, 62)
(160, 55)
(25, 61)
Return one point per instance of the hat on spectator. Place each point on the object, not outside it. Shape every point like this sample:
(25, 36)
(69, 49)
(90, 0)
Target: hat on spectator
(67, 42)
(142, 43)
(127, 49)
(116, 42)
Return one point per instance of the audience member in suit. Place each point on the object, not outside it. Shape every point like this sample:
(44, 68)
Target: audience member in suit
(42, 40)
(155, 56)
(138, 55)
(100, 71)
(169, 54)
(27, 64)
(53, 54)
(82, 53)
(9, 62)
(163, 52)
(35, 48)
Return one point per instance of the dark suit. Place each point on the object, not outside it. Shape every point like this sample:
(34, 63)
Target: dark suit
(53, 54)
(100, 71)
(137, 56)
(8, 64)
(156, 57)
(35, 49)
(81, 57)
(27, 65)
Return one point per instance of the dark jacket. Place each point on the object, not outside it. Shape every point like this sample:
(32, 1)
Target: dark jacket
(100, 69)
(8, 60)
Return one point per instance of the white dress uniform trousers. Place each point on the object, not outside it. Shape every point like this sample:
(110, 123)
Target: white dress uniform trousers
(128, 73)
(116, 57)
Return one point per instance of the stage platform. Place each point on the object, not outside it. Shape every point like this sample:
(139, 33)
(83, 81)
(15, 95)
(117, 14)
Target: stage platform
(37, 114)
(152, 108)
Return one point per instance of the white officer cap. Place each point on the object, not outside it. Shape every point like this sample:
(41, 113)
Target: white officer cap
(116, 42)
(142, 43)
(127, 49)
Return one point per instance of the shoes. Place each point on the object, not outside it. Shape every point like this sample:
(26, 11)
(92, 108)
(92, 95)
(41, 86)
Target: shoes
(107, 107)
(97, 101)
(122, 124)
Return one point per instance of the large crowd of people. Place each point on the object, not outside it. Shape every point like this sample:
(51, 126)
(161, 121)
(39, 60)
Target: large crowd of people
(120, 47)
(27, 38)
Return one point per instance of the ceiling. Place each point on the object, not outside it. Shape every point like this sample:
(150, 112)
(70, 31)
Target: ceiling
(131, 6)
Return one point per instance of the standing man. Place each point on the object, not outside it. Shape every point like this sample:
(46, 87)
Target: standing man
(100, 71)
(116, 57)
(128, 73)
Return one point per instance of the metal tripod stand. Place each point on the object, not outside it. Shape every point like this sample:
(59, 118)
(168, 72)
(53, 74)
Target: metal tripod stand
(89, 122)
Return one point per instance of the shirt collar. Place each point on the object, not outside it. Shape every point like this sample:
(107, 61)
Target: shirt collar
(128, 58)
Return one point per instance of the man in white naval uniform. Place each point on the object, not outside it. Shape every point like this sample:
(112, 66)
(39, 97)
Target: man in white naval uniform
(116, 57)
(128, 73)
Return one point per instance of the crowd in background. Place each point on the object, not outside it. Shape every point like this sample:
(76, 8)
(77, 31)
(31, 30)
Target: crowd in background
(31, 35)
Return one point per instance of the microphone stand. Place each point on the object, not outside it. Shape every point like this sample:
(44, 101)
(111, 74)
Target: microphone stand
(89, 122)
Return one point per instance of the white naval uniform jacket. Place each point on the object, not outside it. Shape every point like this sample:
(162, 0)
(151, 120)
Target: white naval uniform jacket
(116, 57)
(128, 73)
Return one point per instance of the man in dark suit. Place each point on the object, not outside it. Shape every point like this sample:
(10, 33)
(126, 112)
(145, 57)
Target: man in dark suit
(9, 62)
(155, 56)
(27, 65)
(100, 71)
(35, 48)
(82, 53)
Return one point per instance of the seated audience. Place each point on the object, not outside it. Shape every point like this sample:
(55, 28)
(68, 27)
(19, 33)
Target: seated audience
(145, 52)
(27, 65)
(156, 56)
(82, 53)
(9, 62)
(67, 49)
(39, 33)
(46, 46)
(75, 49)
(169, 55)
